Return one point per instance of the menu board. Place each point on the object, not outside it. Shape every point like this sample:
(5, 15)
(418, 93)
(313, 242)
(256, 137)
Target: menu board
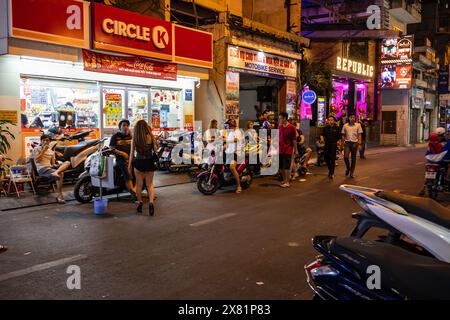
(113, 106)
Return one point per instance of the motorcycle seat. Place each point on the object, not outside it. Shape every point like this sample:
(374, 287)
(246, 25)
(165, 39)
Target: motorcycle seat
(412, 275)
(70, 151)
(425, 208)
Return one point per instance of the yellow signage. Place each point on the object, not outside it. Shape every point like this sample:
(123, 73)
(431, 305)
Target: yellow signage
(10, 115)
(347, 65)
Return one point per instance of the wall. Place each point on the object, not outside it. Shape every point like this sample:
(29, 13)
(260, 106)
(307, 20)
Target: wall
(402, 136)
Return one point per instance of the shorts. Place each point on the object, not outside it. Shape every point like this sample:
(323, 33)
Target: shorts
(285, 161)
(123, 168)
(144, 165)
(47, 172)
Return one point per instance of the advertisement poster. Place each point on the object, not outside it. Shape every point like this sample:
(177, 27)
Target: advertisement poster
(290, 98)
(396, 76)
(113, 109)
(128, 66)
(321, 110)
(232, 96)
(396, 63)
(305, 108)
(10, 115)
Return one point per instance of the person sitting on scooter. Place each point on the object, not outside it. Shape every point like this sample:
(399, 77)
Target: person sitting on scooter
(232, 151)
(44, 158)
(121, 143)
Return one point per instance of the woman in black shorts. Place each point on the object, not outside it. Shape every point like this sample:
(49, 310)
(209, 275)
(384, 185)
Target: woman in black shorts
(142, 157)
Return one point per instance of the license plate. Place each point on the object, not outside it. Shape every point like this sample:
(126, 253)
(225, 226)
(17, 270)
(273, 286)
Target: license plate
(430, 175)
(165, 154)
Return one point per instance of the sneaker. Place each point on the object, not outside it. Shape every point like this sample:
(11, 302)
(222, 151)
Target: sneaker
(285, 185)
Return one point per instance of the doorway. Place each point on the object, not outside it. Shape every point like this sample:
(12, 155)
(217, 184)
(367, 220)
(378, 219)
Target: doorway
(257, 94)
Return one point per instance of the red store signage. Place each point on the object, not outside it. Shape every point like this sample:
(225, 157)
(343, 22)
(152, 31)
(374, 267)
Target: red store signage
(55, 21)
(128, 32)
(128, 66)
(193, 47)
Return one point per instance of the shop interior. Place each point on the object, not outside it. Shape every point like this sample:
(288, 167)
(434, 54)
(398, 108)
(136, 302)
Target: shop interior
(76, 105)
(257, 94)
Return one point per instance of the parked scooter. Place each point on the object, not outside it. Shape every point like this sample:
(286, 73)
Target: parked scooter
(75, 154)
(218, 175)
(420, 225)
(167, 158)
(356, 269)
(85, 191)
(436, 179)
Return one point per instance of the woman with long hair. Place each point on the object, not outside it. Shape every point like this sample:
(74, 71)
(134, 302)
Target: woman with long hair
(142, 154)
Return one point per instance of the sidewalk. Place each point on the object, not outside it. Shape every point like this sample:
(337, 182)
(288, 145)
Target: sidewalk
(162, 179)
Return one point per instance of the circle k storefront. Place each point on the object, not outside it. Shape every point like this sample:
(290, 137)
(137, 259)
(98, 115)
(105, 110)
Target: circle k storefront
(80, 66)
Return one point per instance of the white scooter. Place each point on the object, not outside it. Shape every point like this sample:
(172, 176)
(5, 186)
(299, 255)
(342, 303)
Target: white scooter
(417, 224)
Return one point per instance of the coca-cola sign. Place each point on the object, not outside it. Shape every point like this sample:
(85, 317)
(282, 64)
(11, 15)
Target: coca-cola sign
(129, 66)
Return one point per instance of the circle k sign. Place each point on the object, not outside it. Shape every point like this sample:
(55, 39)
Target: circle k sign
(309, 97)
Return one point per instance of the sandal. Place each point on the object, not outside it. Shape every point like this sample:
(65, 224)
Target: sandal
(239, 190)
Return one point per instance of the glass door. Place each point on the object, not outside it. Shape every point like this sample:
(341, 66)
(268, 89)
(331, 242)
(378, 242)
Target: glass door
(167, 111)
(113, 101)
(137, 106)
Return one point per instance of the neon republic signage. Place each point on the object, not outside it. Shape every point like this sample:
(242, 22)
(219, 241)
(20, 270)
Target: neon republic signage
(355, 67)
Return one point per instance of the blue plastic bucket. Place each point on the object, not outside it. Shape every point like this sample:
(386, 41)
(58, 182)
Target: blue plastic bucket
(100, 206)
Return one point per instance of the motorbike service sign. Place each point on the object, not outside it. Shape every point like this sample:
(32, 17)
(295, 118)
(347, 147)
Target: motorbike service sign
(129, 66)
(63, 22)
(261, 63)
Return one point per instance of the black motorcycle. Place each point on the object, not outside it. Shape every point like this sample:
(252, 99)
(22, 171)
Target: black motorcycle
(356, 269)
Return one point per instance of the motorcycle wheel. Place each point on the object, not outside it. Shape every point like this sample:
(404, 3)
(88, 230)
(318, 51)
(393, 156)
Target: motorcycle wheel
(432, 193)
(84, 191)
(205, 188)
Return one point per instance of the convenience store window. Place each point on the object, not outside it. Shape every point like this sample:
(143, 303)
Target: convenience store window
(67, 104)
(166, 109)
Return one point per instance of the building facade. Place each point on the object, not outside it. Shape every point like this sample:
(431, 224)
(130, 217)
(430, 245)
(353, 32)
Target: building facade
(85, 66)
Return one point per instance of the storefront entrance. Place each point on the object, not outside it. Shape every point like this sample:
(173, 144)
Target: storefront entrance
(258, 94)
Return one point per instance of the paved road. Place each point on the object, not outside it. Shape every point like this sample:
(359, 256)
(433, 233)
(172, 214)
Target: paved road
(226, 246)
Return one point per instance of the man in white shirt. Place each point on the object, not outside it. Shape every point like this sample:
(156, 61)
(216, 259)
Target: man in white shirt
(351, 136)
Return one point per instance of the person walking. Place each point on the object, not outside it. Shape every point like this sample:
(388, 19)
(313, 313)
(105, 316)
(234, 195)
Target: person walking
(332, 136)
(362, 147)
(287, 145)
(142, 159)
(351, 136)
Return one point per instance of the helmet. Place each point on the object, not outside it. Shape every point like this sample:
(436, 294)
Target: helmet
(440, 131)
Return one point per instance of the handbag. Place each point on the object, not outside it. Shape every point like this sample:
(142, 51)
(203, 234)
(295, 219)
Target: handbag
(98, 166)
